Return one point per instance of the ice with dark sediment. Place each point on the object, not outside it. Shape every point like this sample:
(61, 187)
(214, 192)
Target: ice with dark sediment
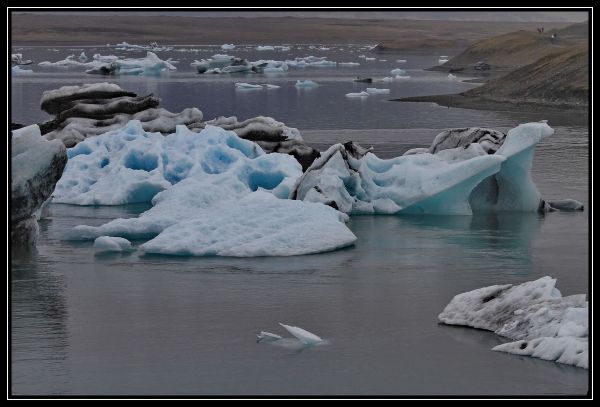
(538, 320)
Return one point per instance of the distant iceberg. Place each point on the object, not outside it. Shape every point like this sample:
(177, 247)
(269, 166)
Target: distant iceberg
(348, 64)
(265, 48)
(376, 91)
(541, 322)
(306, 84)
(17, 70)
(227, 46)
(357, 95)
(398, 72)
(151, 65)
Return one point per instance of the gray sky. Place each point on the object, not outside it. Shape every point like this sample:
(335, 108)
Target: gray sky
(556, 16)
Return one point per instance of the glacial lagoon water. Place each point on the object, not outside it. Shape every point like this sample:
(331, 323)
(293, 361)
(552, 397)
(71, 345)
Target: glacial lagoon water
(87, 323)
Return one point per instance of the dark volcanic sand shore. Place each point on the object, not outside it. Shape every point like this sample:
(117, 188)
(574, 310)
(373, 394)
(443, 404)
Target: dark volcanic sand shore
(510, 105)
(49, 29)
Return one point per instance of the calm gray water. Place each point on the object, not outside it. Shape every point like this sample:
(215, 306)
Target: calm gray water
(84, 323)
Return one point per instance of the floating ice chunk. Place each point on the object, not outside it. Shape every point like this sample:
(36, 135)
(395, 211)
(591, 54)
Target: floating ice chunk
(348, 64)
(243, 85)
(264, 336)
(257, 225)
(401, 77)
(452, 77)
(401, 61)
(67, 62)
(543, 323)
(83, 57)
(265, 48)
(398, 72)
(112, 244)
(369, 59)
(303, 336)
(568, 205)
(357, 95)
(306, 84)
(442, 61)
(227, 46)
(17, 70)
(271, 86)
(17, 59)
(374, 91)
(383, 60)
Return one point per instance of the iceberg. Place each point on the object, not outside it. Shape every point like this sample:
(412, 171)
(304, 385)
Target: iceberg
(511, 188)
(83, 57)
(302, 338)
(17, 59)
(348, 64)
(213, 194)
(272, 136)
(376, 91)
(310, 61)
(93, 109)
(112, 244)
(151, 65)
(357, 95)
(227, 46)
(398, 72)
(131, 165)
(355, 181)
(306, 84)
(265, 48)
(259, 224)
(534, 315)
(442, 61)
(36, 167)
(17, 70)
(452, 77)
(401, 61)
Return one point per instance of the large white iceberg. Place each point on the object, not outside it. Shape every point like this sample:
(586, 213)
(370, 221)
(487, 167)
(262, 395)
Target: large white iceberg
(541, 322)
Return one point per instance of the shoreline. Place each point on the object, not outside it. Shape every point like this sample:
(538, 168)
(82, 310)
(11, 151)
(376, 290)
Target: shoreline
(480, 103)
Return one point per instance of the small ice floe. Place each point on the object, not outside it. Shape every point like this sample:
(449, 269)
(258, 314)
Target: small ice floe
(362, 56)
(383, 60)
(401, 61)
(442, 61)
(302, 338)
(348, 64)
(306, 84)
(568, 205)
(369, 59)
(452, 77)
(250, 86)
(323, 49)
(82, 57)
(265, 48)
(244, 85)
(17, 70)
(357, 95)
(398, 72)
(375, 91)
(112, 244)
(17, 59)
(227, 46)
